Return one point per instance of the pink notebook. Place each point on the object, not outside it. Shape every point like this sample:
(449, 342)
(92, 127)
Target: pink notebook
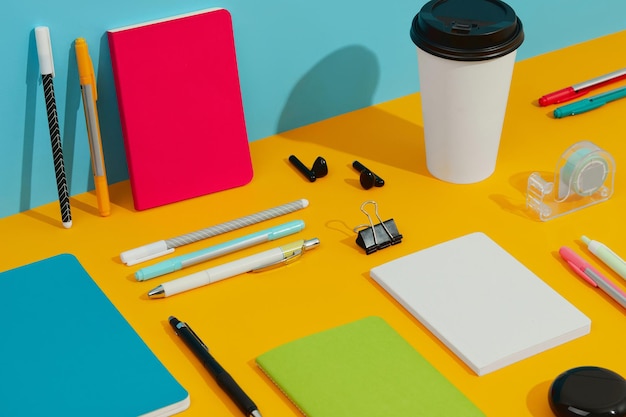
(180, 107)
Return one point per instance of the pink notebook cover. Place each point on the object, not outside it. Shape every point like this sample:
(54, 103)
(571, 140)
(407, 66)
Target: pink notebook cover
(180, 107)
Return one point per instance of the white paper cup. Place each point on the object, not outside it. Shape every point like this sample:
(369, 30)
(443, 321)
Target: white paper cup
(466, 53)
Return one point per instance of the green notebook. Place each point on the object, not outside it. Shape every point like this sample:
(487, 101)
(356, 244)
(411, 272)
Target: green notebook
(364, 368)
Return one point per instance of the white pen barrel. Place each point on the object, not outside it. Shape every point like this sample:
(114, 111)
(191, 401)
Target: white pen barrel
(220, 272)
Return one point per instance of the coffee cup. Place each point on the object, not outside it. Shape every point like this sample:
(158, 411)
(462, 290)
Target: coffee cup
(466, 52)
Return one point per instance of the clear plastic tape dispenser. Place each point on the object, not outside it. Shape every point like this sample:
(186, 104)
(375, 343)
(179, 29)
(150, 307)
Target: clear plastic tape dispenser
(584, 176)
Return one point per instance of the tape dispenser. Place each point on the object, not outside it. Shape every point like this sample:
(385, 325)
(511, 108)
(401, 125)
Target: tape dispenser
(584, 176)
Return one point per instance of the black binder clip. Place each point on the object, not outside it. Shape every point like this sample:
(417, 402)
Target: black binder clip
(375, 237)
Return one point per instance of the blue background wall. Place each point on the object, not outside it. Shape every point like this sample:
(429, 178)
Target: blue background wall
(299, 62)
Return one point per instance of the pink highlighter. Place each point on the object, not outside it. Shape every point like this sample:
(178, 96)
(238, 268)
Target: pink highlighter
(592, 276)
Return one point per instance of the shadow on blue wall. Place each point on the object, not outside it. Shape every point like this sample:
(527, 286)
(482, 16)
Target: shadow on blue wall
(342, 82)
(32, 83)
(110, 125)
(73, 105)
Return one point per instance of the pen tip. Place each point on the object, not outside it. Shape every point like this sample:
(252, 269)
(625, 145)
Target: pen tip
(67, 225)
(311, 244)
(157, 292)
(585, 239)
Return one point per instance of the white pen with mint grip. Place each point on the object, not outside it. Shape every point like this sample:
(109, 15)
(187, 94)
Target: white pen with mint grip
(606, 255)
(184, 261)
(270, 258)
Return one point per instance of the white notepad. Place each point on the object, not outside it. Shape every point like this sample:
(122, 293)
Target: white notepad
(481, 302)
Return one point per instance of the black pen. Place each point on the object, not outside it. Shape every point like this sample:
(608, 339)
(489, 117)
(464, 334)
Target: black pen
(46, 67)
(223, 378)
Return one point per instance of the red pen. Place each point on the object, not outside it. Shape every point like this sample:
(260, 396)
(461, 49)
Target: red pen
(580, 89)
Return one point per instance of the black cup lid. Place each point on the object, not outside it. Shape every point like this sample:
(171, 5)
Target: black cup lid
(467, 30)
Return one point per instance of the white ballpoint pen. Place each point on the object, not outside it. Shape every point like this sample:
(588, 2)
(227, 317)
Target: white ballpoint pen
(273, 257)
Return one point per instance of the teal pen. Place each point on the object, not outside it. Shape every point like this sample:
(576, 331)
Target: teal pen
(589, 103)
(606, 255)
(180, 262)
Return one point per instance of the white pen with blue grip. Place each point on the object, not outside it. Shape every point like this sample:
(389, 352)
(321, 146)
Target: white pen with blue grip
(203, 255)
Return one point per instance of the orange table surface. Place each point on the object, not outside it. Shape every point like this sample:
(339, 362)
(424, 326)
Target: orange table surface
(244, 316)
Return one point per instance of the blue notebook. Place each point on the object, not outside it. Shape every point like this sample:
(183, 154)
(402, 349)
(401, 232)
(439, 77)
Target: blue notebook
(67, 351)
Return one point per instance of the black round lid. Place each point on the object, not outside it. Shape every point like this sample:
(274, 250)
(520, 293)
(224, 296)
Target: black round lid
(467, 30)
(588, 391)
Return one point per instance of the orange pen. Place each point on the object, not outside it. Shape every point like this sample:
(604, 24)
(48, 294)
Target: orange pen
(90, 95)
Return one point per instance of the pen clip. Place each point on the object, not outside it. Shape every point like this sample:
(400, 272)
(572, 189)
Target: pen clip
(145, 253)
(582, 274)
(289, 259)
(615, 255)
(291, 253)
(149, 257)
(183, 324)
